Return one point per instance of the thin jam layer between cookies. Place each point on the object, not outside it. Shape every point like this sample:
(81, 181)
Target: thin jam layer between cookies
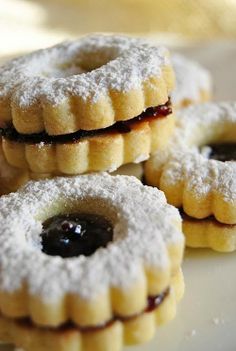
(153, 302)
(71, 235)
(121, 127)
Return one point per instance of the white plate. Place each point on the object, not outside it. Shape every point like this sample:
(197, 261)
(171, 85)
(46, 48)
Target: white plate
(206, 318)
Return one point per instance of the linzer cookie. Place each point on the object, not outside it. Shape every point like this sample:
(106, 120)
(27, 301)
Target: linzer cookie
(76, 272)
(87, 151)
(197, 174)
(193, 82)
(89, 105)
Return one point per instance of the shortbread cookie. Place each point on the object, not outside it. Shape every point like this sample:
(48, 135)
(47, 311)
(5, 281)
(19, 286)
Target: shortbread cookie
(136, 329)
(87, 151)
(53, 275)
(209, 233)
(86, 84)
(11, 178)
(197, 171)
(193, 82)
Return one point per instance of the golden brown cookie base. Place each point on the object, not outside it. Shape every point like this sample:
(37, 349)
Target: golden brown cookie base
(100, 153)
(135, 331)
(209, 233)
(21, 303)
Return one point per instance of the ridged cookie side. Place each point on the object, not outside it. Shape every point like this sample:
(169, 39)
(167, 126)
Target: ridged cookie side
(75, 113)
(113, 301)
(208, 233)
(100, 153)
(138, 330)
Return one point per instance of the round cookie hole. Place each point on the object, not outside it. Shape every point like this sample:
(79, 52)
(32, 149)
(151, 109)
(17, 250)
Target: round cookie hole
(222, 151)
(73, 228)
(83, 63)
(71, 235)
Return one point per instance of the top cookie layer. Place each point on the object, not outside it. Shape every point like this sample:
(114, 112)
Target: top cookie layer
(86, 84)
(144, 227)
(186, 173)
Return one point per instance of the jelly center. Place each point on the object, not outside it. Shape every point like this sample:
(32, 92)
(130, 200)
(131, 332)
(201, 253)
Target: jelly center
(70, 235)
(223, 151)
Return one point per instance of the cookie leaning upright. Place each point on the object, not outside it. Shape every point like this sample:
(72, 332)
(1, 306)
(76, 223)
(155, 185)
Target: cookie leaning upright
(197, 173)
(63, 291)
(89, 105)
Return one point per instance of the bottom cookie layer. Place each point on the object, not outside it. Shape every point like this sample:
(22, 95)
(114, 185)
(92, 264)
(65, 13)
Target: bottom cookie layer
(137, 330)
(209, 233)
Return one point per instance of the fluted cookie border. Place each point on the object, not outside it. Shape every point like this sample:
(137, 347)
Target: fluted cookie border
(189, 179)
(87, 290)
(209, 233)
(106, 152)
(85, 84)
(136, 331)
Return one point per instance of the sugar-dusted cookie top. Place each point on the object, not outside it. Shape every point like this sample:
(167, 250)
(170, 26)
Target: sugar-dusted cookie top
(85, 84)
(197, 171)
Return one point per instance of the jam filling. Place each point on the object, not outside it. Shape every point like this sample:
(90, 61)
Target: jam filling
(119, 127)
(223, 151)
(70, 235)
(209, 218)
(153, 303)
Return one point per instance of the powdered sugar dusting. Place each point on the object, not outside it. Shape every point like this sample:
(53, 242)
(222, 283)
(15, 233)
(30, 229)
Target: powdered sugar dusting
(184, 162)
(191, 80)
(88, 68)
(143, 225)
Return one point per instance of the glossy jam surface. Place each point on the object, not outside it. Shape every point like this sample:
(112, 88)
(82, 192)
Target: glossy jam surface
(119, 127)
(75, 234)
(223, 151)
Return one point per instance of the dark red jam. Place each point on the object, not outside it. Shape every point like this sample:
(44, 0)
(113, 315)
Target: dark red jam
(223, 151)
(75, 234)
(152, 304)
(119, 127)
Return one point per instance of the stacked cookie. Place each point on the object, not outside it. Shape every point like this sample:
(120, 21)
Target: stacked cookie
(76, 272)
(110, 286)
(90, 105)
(197, 174)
